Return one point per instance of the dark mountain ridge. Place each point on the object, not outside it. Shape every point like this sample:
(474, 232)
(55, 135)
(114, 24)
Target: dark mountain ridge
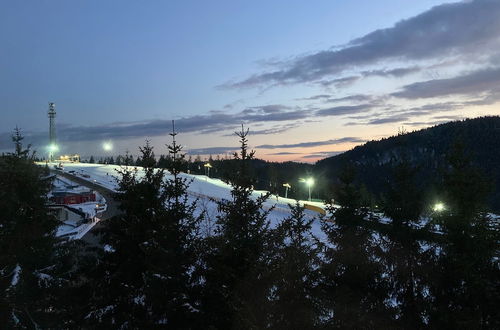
(426, 149)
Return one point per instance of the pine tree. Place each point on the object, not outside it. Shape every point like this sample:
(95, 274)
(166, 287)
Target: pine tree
(171, 286)
(30, 269)
(403, 199)
(466, 290)
(295, 277)
(120, 279)
(145, 279)
(236, 289)
(353, 289)
(406, 264)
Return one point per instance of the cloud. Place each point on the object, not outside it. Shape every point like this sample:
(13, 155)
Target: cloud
(213, 122)
(472, 83)
(387, 120)
(344, 110)
(312, 144)
(211, 151)
(356, 98)
(463, 29)
(397, 72)
(275, 129)
(284, 153)
(350, 80)
(344, 82)
(392, 114)
(283, 117)
(437, 121)
(323, 154)
(315, 97)
(272, 108)
(341, 82)
(400, 115)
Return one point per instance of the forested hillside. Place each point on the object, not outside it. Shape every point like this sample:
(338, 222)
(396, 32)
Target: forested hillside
(427, 149)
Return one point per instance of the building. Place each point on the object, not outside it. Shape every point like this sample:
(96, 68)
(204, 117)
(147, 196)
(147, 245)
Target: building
(72, 197)
(69, 158)
(68, 214)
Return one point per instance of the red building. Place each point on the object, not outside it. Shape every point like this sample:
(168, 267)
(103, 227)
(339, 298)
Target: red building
(67, 197)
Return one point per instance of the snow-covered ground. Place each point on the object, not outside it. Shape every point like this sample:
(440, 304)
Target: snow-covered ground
(207, 190)
(201, 187)
(73, 231)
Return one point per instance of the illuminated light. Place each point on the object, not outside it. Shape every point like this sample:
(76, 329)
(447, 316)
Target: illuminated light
(309, 183)
(107, 146)
(207, 169)
(53, 147)
(438, 207)
(287, 186)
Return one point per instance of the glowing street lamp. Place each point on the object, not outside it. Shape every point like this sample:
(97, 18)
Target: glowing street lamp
(309, 183)
(107, 146)
(207, 169)
(53, 148)
(287, 186)
(439, 207)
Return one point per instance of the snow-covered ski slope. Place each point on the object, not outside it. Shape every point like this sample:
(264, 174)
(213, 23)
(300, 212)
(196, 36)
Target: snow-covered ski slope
(205, 189)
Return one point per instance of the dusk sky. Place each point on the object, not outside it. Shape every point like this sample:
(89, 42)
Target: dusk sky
(309, 78)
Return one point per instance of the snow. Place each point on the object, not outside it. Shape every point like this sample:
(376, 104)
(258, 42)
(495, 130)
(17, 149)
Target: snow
(205, 189)
(108, 248)
(139, 300)
(191, 308)
(72, 230)
(15, 277)
(15, 318)
(43, 279)
(100, 312)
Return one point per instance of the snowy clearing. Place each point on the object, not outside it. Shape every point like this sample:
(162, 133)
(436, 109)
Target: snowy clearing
(205, 189)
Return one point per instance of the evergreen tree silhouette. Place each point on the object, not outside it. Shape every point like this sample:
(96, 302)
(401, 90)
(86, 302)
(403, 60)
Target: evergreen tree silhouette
(296, 258)
(236, 289)
(31, 257)
(145, 277)
(406, 263)
(354, 291)
(466, 286)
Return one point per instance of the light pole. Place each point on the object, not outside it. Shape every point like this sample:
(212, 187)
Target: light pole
(53, 148)
(309, 183)
(107, 147)
(207, 169)
(287, 186)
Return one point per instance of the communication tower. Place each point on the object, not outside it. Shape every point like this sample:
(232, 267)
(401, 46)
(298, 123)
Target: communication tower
(52, 131)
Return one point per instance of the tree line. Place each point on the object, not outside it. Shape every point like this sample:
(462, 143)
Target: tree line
(266, 175)
(158, 264)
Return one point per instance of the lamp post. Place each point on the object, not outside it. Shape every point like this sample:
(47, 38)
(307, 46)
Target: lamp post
(107, 146)
(287, 186)
(207, 169)
(309, 183)
(53, 148)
